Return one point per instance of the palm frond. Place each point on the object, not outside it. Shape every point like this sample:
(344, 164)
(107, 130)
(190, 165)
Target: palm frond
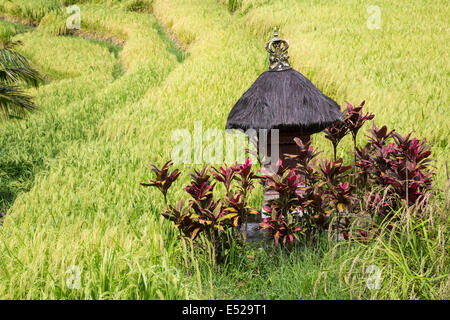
(14, 101)
(8, 43)
(14, 68)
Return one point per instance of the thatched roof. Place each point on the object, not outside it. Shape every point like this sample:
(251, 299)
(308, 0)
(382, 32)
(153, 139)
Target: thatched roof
(284, 100)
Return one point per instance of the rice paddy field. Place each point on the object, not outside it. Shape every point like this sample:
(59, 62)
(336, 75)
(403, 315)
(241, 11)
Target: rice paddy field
(137, 70)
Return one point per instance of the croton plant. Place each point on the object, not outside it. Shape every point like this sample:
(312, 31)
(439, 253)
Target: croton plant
(316, 195)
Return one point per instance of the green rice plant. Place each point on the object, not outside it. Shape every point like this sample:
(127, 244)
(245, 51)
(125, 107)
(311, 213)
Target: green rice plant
(54, 23)
(408, 259)
(262, 272)
(30, 11)
(8, 30)
(71, 63)
(138, 5)
(78, 124)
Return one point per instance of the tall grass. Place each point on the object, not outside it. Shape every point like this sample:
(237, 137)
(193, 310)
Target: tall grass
(134, 246)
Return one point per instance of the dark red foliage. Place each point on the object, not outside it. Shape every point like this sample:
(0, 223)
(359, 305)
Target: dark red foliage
(215, 218)
(336, 133)
(400, 163)
(379, 136)
(361, 235)
(342, 196)
(306, 153)
(285, 184)
(354, 118)
(201, 188)
(183, 220)
(225, 175)
(333, 171)
(164, 178)
(246, 176)
(280, 227)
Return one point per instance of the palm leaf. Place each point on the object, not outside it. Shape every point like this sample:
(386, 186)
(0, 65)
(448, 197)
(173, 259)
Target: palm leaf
(14, 101)
(14, 68)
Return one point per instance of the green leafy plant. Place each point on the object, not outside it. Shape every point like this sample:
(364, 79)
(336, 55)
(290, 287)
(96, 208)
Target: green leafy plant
(219, 219)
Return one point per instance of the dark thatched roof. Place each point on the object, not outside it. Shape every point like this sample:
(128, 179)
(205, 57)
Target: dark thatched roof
(284, 100)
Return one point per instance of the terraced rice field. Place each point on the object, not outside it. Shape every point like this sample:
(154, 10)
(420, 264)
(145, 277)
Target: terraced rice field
(138, 70)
